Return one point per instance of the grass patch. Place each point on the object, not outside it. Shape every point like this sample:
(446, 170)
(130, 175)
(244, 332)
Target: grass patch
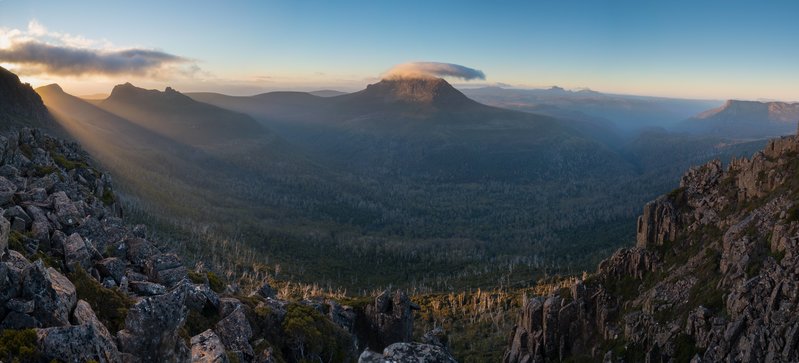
(67, 164)
(111, 305)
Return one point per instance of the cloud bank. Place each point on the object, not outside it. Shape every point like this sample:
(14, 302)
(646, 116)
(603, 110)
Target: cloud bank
(434, 69)
(39, 51)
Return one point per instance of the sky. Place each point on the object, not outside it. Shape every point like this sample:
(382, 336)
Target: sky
(688, 49)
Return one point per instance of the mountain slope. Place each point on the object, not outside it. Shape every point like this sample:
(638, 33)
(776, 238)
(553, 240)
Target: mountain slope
(21, 106)
(179, 117)
(712, 276)
(746, 119)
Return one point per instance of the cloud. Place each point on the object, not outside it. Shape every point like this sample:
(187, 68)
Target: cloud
(434, 69)
(38, 51)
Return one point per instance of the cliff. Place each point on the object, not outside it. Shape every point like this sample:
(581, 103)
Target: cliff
(713, 276)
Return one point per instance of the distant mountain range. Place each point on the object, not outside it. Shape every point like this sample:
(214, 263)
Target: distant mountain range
(627, 112)
(746, 119)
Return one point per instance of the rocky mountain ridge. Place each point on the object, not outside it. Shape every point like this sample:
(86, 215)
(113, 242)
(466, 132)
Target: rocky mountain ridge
(79, 284)
(713, 276)
(746, 119)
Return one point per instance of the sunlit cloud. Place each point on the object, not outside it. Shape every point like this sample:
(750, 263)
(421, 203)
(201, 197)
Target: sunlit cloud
(434, 69)
(38, 51)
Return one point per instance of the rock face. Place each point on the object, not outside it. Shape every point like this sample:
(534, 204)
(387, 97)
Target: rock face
(390, 319)
(713, 276)
(151, 327)
(408, 352)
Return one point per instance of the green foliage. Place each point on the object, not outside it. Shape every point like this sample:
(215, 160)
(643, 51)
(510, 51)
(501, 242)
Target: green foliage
(313, 337)
(215, 282)
(19, 346)
(200, 321)
(41, 170)
(110, 305)
(108, 197)
(16, 241)
(684, 348)
(67, 164)
(196, 277)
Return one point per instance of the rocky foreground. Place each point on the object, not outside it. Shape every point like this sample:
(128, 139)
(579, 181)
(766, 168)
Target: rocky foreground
(713, 277)
(78, 284)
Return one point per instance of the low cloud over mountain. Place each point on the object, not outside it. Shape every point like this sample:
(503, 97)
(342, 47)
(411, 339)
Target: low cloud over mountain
(434, 69)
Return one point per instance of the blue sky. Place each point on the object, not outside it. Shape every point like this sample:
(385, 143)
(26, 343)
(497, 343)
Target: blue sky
(699, 49)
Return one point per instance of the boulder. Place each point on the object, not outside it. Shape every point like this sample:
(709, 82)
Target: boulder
(111, 266)
(408, 352)
(235, 332)
(390, 320)
(77, 343)
(139, 251)
(206, 347)
(5, 229)
(146, 288)
(152, 325)
(266, 290)
(52, 293)
(65, 210)
(76, 253)
(7, 190)
(18, 320)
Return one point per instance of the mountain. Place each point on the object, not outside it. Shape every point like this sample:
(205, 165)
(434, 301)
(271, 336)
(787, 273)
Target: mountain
(21, 106)
(629, 113)
(327, 93)
(746, 119)
(179, 117)
(712, 276)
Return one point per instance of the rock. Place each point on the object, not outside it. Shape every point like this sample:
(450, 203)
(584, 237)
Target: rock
(408, 352)
(7, 191)
(84, 315)
(20, 306)
(111, 266)
(151, 328)
(5, 228)
(165, 268)
(200, 296)
(52, 293)
(235, 332)
(18, 320)
(139, 251)
(436, 337)
(76, 253)
(390, 320)
(227, 305)
(65, 209)
(206, 347)
(657, 224)
(146, 288)
(79, 343)
(266, 290)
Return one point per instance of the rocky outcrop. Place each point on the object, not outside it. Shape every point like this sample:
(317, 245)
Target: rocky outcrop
(151, 327)
(713, 276)
(207, 348)
(390, 319)
(658, 224)
(408, 352)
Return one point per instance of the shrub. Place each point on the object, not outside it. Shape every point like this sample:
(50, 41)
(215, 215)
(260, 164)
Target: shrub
(19, 346)
(313, 337)
(215, 282)
(110, 305)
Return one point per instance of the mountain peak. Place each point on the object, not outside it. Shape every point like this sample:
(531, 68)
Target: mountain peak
(128, 92)
(429, 91)
(52, 88)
